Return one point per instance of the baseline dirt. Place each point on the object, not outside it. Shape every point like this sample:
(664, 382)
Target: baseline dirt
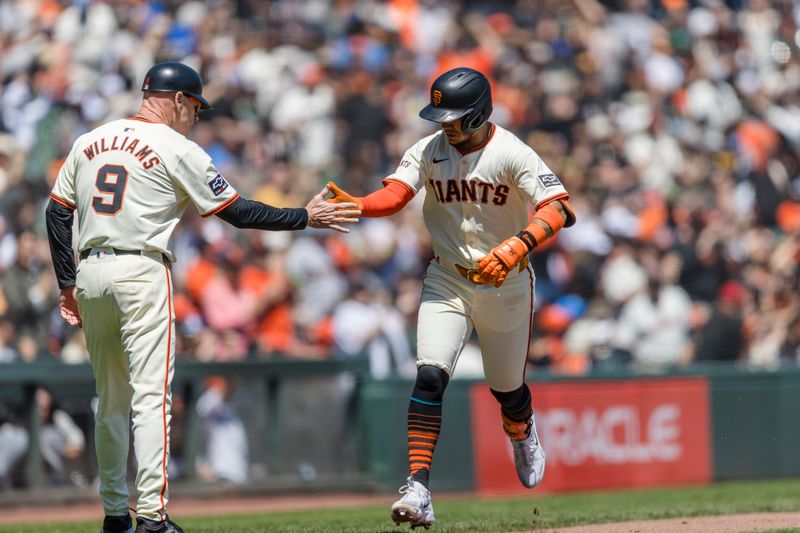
(244, 505)
(193, 507)
(705, 524)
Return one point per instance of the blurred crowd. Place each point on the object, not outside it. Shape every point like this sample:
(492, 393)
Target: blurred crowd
(674, 124)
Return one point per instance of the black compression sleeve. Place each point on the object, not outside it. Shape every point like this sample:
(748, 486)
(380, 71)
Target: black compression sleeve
(59, 233)
(243, 213)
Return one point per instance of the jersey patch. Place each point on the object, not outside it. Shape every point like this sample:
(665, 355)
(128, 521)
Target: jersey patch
(218, 185)
(549, 180)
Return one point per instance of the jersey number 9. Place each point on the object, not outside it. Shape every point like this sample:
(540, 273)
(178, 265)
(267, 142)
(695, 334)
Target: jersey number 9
(111, 180)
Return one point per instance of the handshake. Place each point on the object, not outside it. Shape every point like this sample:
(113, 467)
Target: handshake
(493, 268)
(332, 212)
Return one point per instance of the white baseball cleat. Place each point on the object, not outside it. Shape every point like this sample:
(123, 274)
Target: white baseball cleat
(529, 458)
(415, 506)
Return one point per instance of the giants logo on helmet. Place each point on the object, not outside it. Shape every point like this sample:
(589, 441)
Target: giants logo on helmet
(437, 97)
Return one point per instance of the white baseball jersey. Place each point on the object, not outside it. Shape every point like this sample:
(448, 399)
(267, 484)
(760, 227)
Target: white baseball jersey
(474, 201)
(478, 199)
(131, 181)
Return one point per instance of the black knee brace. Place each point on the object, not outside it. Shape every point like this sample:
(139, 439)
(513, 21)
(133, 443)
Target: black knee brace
(430, 384)
(516, 404)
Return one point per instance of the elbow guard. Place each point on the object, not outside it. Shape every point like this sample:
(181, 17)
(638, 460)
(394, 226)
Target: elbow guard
(571, 218)
(547, 222)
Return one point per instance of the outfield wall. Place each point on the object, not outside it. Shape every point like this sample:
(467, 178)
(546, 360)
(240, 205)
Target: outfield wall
(324, 425)
(603, 431)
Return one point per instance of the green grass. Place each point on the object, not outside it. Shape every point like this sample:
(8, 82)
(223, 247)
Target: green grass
(502, 515)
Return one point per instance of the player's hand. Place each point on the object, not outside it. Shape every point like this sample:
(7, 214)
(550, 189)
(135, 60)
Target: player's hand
(324, 214)
(68, 305)
(495, 266)
(341, 196)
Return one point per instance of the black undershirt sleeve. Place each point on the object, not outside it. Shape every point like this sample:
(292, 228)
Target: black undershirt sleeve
(59, 232)
(243, 213)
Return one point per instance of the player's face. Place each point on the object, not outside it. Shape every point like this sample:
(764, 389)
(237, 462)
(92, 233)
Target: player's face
(455, 135)
(187, 112)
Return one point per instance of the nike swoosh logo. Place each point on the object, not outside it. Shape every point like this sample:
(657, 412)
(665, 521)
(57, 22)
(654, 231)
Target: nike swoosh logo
(439, 160)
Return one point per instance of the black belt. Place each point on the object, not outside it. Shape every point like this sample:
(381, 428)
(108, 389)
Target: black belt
(117, 251)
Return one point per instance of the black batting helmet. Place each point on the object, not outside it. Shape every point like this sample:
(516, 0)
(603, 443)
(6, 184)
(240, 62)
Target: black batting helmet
(461, 93)
(172, 77)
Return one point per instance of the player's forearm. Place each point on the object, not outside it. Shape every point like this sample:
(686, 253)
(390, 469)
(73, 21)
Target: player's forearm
(252, 214)
(547, 221)
(58, 219)
(386, 201)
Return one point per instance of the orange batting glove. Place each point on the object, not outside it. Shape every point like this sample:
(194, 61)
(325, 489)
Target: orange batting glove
(340, 196)
(496, 265)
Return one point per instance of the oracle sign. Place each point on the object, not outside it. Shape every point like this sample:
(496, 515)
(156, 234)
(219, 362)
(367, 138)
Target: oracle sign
(613, 435)
(599, 434)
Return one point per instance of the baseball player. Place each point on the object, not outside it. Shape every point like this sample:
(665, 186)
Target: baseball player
(130, 181)
(479, 180)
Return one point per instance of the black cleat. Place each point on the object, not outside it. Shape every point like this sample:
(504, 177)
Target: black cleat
(117, 524)
(145, 525)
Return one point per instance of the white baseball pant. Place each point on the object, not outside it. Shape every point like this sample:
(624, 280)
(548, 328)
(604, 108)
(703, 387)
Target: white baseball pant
(125, 302)
(451, 306)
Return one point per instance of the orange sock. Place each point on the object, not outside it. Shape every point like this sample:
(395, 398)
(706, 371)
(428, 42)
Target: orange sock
(516, 429)
(423, 433)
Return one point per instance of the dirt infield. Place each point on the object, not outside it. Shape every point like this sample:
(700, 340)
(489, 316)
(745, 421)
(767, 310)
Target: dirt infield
(222, 506)
(704, 524)
(193, 507)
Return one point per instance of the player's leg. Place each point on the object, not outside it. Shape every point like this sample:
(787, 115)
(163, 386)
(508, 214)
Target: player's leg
(425, 420)
(110, 367)
(424, 424)
(503, 321)
(144, 293)
(443, 329)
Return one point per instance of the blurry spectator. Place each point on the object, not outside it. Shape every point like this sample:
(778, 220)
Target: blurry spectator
(552, 346)
(653, 326)
(29, 288)
(275, 329)
(227, 307)
(201, 270)
(8, 352)
(319, 284)
(703, 267)
(364, 322)
(306, 111)
(547, 347)
(721, 335)
(621, 277)
(265, 278)
(588, 340)
(225, 451)
(74, 351)
(773, 326)
(61, 440)
(13, 445)
(367, 125)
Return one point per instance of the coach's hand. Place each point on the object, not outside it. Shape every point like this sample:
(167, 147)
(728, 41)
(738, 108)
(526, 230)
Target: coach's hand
(324, 214)
(342, 196)
(495, 266)
(68, 305)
